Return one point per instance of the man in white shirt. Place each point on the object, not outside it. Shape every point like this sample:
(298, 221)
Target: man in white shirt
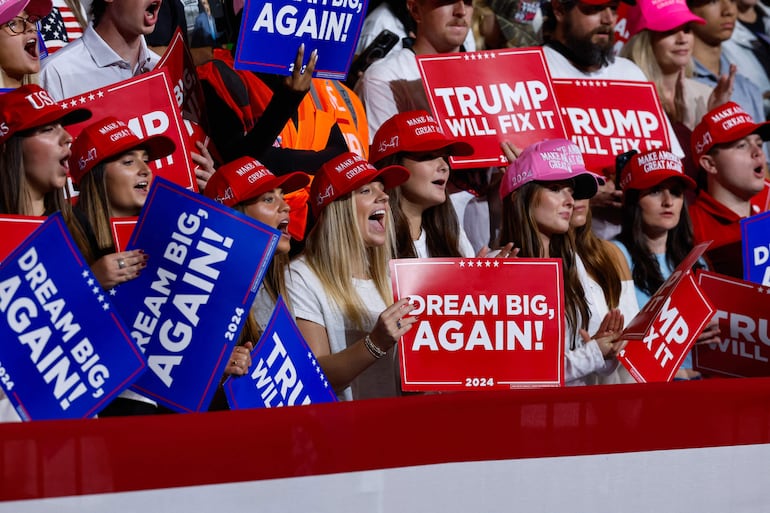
(580, 41)
(112, 49)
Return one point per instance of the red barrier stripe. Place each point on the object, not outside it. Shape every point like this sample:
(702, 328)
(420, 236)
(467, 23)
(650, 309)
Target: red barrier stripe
(58, 458)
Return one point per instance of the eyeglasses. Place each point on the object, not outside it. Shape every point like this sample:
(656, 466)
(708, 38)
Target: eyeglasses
(19, 25)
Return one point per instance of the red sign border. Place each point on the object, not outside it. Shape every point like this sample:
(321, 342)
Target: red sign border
(470, 162)
(556, 263)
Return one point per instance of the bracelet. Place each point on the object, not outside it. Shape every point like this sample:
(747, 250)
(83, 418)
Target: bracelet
(373, 349)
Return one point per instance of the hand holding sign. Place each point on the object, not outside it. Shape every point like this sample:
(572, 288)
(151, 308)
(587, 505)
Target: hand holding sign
(301, 77)
(271, 30)
(204, 165)
(116, 268)
(392, 324)
(240, 360)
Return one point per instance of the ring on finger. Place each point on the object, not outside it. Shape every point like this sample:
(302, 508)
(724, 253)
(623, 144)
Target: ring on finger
(121, 263)
(398, 324)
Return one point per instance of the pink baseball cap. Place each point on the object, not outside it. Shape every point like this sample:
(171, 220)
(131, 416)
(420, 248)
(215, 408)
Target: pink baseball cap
(415, 132)
(725, 124)
(11, 8)
(347, 172)
(646, 170)
(30, 106)
(553, 160)
(660, 16)
(246, 178)
(111, 137)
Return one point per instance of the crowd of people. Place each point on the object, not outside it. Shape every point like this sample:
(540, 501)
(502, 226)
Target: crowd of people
(352, 178)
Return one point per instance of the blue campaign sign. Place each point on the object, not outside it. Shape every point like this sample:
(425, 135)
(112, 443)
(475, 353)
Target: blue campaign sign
(187, 307)
(283, 370)
(65, 352)
(272, 31)
(755, 234)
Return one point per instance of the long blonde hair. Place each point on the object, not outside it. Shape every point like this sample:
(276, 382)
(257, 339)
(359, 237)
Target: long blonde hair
(335, 246)
(639, 50)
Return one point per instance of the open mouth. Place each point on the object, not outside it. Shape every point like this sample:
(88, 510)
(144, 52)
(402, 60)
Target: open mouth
(440, 183)
(759, 171)
(283, 227)
(31, 47)
(377, 220)
(142, 186)
(152, 9)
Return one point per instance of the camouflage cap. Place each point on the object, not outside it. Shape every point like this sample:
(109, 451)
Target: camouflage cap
(515, 19)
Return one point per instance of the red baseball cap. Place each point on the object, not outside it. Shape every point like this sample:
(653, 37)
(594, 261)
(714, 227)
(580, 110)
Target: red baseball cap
(552, 160)
(646, 170)
(347, 172)
(246, 178)
(12, 8)
(415, 132)
(30, 106)
(110, 137)
(725, 124)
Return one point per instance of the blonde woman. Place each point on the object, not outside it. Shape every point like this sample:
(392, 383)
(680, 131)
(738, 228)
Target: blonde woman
(661, 44)
(339, 287)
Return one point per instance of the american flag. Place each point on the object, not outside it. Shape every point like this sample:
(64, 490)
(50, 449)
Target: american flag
(60, 27)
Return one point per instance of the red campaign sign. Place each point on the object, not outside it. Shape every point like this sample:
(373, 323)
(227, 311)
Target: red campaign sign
(122, 228)
(483, 323)
(147, 104)
(15, 229)
(608, 117)
(640, 325)
(621, 30)
(489, 97)
(680, 320)
(743, 312)
(186, 84)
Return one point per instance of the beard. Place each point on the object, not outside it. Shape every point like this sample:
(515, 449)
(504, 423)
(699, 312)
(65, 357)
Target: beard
(587, 54)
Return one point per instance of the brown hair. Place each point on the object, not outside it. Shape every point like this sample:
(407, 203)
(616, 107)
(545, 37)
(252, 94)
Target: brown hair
(520, 228)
